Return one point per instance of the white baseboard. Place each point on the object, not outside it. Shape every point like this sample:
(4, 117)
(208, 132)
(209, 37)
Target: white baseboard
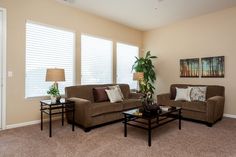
(11, 126)
(230, 115)
(22, 124)
(56, 118)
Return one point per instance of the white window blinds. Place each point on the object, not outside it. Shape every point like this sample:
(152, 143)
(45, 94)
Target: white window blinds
(47, 47)
(96, 60)
(125, 59)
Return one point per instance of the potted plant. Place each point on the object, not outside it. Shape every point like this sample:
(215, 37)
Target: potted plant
(145, 65)
(54, 93)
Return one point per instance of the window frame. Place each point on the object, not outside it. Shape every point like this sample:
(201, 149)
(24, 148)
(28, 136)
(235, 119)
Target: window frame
(73, 55)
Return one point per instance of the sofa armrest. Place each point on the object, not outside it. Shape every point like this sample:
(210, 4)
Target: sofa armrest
(135, 95)
(163, 99)
(82, 111)
(215, 108)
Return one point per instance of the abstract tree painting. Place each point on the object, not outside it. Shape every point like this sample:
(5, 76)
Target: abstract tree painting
(189, 67)
(213, 66)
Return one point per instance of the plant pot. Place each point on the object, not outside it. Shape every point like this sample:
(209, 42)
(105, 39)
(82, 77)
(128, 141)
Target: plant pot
(53, 99)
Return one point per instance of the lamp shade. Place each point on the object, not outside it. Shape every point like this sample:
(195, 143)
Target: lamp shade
(138, 76)
(55, 75)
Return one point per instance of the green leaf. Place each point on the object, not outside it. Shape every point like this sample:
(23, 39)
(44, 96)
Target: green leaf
(145, 64)
(153, 57)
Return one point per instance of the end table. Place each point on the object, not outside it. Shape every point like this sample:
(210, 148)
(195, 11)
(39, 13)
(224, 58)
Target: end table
(61, 107)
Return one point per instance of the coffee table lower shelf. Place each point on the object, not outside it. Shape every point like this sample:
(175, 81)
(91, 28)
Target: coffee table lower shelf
(150, 123)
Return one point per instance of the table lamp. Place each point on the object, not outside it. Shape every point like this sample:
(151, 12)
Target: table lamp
(55, 75)
(138, 76)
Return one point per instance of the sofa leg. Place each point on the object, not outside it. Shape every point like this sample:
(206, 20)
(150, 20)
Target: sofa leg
(87, 129)
(209, 124)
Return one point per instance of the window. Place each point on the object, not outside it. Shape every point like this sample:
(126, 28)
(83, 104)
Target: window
(96, 60)
(47, 47)
(125, 59)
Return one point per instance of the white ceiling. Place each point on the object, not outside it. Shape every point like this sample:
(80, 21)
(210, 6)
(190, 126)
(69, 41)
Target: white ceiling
(149, 14)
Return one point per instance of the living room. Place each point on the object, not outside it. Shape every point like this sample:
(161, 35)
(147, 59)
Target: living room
(207, 32)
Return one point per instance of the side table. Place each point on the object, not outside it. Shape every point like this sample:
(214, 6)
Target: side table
(61, 107)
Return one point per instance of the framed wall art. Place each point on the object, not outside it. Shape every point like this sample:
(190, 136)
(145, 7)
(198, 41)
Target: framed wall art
(213, 66)
(189, 67)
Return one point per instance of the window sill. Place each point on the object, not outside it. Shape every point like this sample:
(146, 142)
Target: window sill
(41, 97)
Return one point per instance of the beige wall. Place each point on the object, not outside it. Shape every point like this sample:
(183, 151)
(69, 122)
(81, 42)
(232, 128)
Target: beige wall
(208, 35)
(53, 13)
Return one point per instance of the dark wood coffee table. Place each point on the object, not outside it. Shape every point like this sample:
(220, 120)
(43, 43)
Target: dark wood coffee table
(136, 118)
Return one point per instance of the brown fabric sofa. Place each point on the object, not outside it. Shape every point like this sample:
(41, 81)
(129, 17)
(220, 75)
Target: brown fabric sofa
(89, 113)
(209, 111)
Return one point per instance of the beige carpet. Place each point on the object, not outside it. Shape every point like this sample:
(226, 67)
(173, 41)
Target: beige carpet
(194, 140)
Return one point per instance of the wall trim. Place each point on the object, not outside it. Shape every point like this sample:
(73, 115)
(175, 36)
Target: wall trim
(17, 125)
(22, 124)
(230, 115)
(4, 82)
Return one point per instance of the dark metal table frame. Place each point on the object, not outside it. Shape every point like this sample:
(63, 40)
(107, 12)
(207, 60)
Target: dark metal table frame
(151, 122)
(61, 107)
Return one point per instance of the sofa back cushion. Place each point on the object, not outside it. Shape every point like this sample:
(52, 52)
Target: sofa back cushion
(215, 91)
(86, 91)
(212, 90)
(125, 90)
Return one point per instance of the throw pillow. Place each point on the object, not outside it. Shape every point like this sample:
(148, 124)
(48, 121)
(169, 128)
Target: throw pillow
(183, 94)
(100, 94)
(114, 95)
(198, 93)
(118, 88)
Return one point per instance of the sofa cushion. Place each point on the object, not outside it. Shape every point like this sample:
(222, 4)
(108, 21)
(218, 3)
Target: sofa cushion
(86, 91)
(183, 94)
(131, 103)
(194, 106)
(194, 115)
(114, 95)
(118, 89)
(80, 91)
(105, 107)
(125, 90)
(212, 90)
(175, 103)
(198, 93)
(100, 94)
(173, 89)
(215, 90)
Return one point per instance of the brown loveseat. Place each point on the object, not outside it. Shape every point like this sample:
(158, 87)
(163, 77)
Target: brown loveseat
(209, 111)
(89, 113)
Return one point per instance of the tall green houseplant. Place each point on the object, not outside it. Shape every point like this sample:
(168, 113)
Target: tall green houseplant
(145, 65)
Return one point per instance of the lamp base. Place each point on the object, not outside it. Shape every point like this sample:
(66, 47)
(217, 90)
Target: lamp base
(55, 84)
(58, 98)
(53, 99)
